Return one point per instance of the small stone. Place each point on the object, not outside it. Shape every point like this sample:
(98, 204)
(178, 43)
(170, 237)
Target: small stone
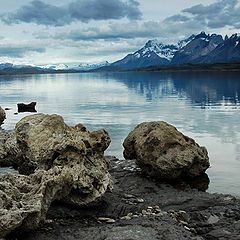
(104, 219)
(126, 218)
(182, 222)
(144, 212)
(135, 216)
(128, 196)
(187, 228)
(48, 221)
(149, 210)
(140, 200)
(182, 212)
(213, 219)
(110, 221)
(149, 207)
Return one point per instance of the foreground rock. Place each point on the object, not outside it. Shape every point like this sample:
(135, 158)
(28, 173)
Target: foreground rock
(2, 116)
(143, 209)
(163, 152)
(9, 151)
(67, 164)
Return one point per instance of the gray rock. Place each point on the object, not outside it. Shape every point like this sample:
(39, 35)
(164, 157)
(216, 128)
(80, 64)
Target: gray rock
(163, 152)
(67, 164)
(2, 116)
(9, 151)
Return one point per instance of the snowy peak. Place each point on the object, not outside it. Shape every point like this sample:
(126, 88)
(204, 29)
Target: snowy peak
(197, 48)
(76, 67)
(88, 66)
(56, 67)
(153, 46)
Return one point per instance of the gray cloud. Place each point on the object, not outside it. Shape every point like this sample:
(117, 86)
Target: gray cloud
(112, 31)
(42, 13)
(166, 32)
(223, 13)
(18, 51)
(190, 21)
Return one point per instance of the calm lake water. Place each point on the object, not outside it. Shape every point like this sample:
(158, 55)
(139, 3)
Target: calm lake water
(205, 106)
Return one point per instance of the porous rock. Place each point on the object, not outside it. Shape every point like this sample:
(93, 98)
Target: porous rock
(9, 151)
(66, 163)
(163, 152)
(2, 116)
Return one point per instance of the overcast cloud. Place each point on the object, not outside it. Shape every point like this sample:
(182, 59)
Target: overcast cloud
(96, 30)
(84, 10)
(18, 51)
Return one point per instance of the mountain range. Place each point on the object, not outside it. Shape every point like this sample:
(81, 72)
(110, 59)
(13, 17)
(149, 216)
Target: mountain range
(197, 50)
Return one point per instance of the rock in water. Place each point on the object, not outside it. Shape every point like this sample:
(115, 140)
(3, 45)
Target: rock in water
(67, 164)
(2, 116)
(163, 152)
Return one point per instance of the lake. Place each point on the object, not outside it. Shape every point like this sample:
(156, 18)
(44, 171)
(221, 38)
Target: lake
(204, 106)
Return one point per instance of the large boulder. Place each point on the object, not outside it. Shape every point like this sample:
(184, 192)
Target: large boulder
(161, 151)
(65, 163)
(9, 151)
(2, 116)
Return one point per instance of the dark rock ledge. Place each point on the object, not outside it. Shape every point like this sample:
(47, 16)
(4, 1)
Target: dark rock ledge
(141, 208)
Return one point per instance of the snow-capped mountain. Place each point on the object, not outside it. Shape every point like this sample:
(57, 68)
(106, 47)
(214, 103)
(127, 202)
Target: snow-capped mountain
(56, 67)
(76, 66)
(152, 54)
(89, 66)
(227, 51)
(197, 48)
(184, 42)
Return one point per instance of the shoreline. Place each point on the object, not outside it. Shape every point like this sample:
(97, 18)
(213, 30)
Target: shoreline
(215, 67)
(142, 208)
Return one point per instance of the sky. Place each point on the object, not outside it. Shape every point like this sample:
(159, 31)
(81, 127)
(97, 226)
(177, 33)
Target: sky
(41, 32)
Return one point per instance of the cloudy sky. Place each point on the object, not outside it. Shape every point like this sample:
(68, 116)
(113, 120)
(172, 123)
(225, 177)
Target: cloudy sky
(89, 31)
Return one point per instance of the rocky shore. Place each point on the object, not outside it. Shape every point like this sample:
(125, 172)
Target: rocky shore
(65, 188)
(142, 208)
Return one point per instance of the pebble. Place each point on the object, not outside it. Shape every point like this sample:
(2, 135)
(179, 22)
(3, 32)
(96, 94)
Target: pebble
(187, 228)
(110, 221)
(48, 221)
(107, 220)
(182, 222)
(213, 219)
(144, 212)
(128, 196)
(126, 218)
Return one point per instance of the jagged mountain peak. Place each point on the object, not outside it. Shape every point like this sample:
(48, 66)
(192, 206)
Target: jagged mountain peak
(154, 47)
(235, 36)
(152, 43)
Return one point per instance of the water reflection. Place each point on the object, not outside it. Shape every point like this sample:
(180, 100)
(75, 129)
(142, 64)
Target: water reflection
(203, 89)
(205, 106)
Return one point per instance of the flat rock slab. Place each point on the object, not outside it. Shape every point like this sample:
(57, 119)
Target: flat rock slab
(144, 209)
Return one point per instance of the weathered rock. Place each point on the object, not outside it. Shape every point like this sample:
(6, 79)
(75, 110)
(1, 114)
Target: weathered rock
(163, 152)
(9, 152)
(67, 164)
(175, 214)
(2, 116)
